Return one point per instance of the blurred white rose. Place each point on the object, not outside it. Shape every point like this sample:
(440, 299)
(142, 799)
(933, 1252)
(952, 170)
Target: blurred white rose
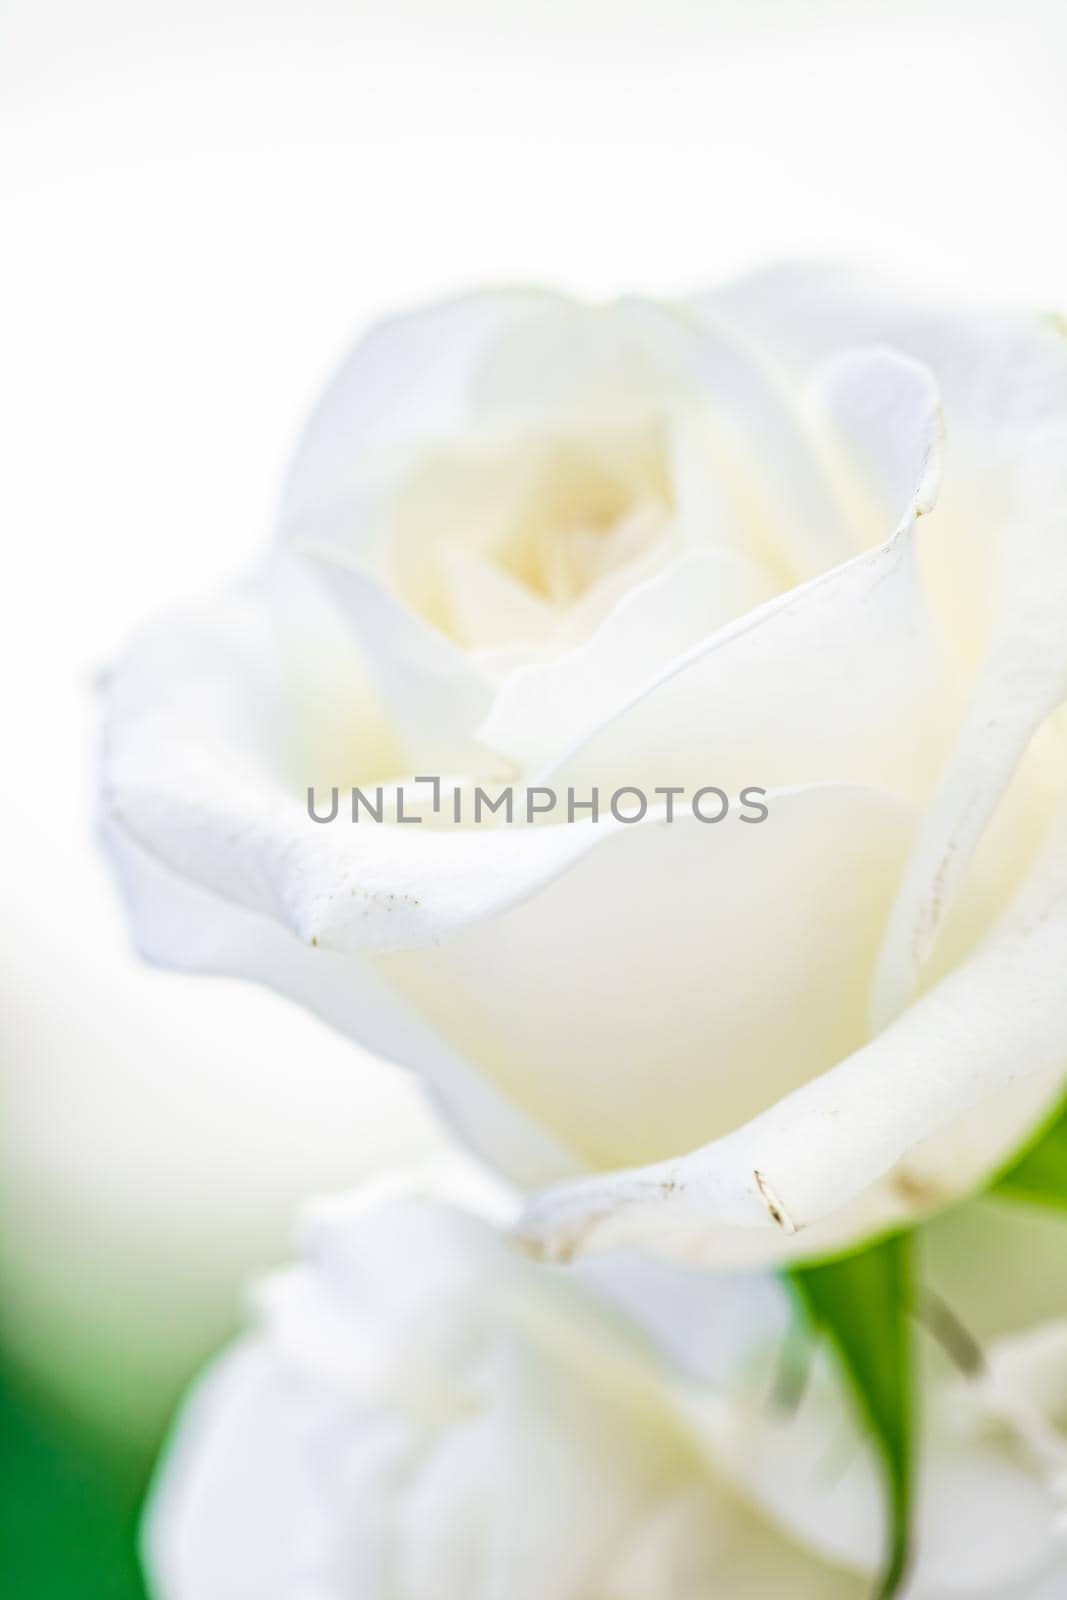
(799, 536)
(425, 1414)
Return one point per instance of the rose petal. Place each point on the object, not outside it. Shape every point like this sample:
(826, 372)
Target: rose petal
(409, 380)
(998, 1019)
(206, 1533)
(1023, 680)
(884, 409)
(843, 679)
(547, 707)
(181, 925)
(625, 1005)
(435, 694)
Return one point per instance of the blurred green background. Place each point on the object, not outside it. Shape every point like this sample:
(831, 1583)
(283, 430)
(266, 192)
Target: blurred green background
(71, 1499)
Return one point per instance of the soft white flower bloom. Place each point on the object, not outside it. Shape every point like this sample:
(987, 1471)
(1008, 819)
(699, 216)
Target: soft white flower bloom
(424, 1414)
(800, 536)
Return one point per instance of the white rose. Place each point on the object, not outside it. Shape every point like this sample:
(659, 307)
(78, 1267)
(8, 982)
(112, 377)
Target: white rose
(425, 1414)
(799, 537)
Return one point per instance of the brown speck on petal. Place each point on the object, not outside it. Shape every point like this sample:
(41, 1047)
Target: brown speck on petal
(918, 1191)
(774, 1205)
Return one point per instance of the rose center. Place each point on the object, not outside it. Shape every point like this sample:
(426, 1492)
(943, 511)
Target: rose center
(507, 546)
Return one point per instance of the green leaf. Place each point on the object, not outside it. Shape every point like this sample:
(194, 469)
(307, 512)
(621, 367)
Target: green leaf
(1039, 1175)
(862, 1304)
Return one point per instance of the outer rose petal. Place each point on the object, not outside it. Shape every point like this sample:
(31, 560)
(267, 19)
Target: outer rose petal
(658, 952)
(200, 769)
(180, 925)
(885, 410)
(998, 1019)
(998, 373)
(1004, 382)
(1023, 680)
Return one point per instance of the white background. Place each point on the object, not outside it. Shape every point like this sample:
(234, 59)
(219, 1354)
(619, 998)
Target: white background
(202, 203)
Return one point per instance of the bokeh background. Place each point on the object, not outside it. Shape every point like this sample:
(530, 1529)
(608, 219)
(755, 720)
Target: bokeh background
(202, 203)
